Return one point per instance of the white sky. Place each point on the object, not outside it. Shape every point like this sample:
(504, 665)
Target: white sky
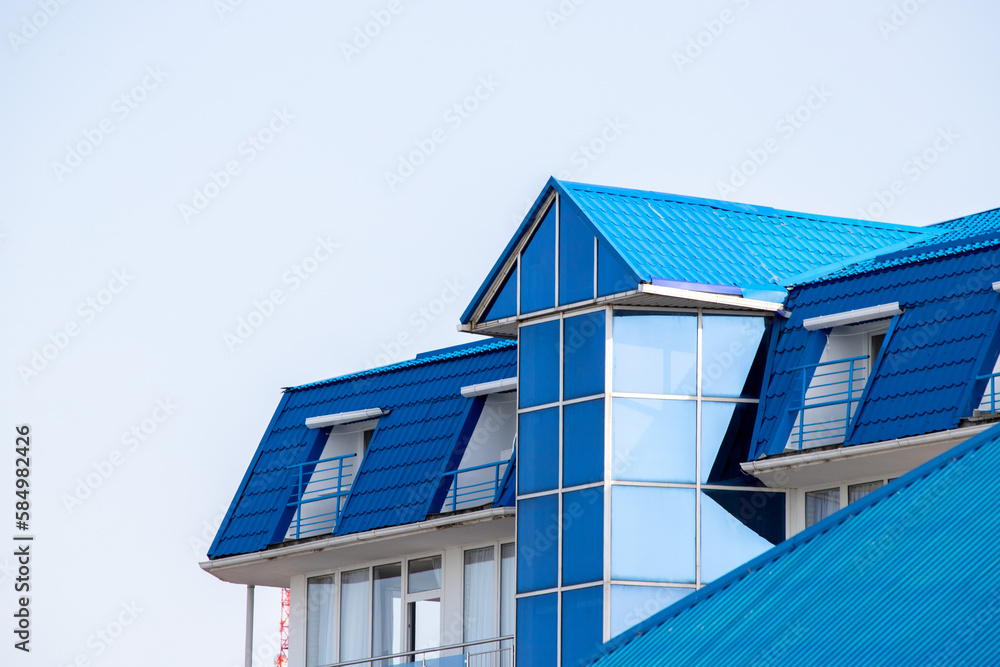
(676, 126)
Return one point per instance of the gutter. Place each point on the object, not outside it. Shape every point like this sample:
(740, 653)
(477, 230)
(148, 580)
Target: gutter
(771, 464)
(354, 538)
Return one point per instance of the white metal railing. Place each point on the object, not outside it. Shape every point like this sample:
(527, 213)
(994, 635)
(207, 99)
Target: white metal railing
(494, 652)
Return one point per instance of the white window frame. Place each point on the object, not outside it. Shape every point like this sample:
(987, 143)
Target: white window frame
(842, 487)
(405, 597)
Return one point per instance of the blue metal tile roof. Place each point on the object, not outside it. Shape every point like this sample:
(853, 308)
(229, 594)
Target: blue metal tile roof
(669, 237)
(412, 446)
(946, 336)
(906, 576)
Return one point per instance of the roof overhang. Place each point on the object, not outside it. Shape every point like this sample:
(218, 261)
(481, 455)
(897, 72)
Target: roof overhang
(325, 421)
(645, 295)
(852, 316)
(885, 459)
(276, 566)
(495, 387)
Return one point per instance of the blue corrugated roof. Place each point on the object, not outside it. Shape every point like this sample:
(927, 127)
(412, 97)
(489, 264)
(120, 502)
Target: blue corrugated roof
(411, 448)
(946, 336)
(670, 237)
(906, 576)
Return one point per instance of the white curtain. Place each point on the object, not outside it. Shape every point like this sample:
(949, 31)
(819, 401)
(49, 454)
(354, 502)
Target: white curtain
(821, 504)
(387, 612)
(480, 609)
(354, 638)
(320, 622)
(507, 555)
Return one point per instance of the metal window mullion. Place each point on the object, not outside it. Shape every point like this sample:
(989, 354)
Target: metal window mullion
(559, 490)
(608, 459)
(699, 357)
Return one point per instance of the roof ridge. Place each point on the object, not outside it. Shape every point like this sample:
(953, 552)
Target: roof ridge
(804, 537)
(742, 207)
(963, 217)
(929, 252)
(410, 363)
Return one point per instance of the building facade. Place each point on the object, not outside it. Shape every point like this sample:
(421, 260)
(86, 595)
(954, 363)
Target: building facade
(669, 388)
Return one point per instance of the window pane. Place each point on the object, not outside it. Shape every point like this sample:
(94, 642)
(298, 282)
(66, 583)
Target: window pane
(583, 443)
(537, 543)
(536, 631)
(480, 586)
(583, 536)
(612, 277)
(538, 368)
(538, 451)
(640, 553)
(821, 504)
(576, 256)
(355, 631)
(655, 353)
(729, 348)
(507, 554)
(653, 440)
(320, 621)
(736, 526)
(634, 604)
(582, 624)
(583, 355)
(538, 266)
(387, 611)
(859, 491)
(505, 304)
(423, 574)
(715, 420)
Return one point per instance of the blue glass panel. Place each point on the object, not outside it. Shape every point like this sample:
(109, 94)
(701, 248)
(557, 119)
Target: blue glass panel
(583, 355)
(653, 440)
(582, 624)
(583, 536)
(612, 277)
(537, 543)
(538, 267)
(634, 604)
(715, 420)
(583, 443)
(537, 631)
(505, 305)
(655, 353)
(538, 366)
(652, 534)
(576, 256)
(730, 521)
(730, 345)
(726, 430)
(538, 451)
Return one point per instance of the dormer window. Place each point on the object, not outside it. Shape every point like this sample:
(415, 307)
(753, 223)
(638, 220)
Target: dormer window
(319, 487)
(828, 393)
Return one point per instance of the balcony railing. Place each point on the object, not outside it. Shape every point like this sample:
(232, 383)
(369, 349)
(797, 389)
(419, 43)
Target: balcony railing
(325, 482)
(496, 652)
(989, 402)
(826, 402)
(474, 486)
